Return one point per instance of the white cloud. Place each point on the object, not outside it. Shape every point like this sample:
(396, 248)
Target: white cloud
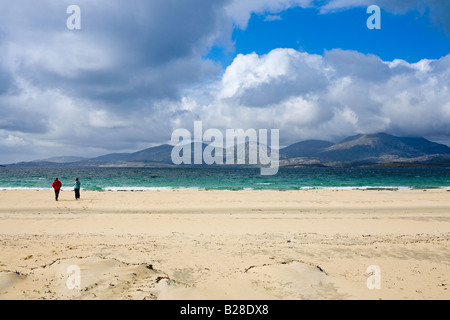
(241, 10)
(253, 80)
(65, 55)
(331, 96)
(10, 140)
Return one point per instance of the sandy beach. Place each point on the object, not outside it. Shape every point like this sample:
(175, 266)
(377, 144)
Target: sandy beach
(197, 244)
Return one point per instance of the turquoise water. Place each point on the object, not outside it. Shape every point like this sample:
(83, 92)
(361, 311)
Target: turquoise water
(225, 178)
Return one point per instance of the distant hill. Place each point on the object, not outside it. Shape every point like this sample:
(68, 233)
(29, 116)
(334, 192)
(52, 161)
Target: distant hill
(425, 146)
(154, 154)
(158, 155)
(308, 148)
(381, 146)
(67, 159)
(369, 149)
(379, 149)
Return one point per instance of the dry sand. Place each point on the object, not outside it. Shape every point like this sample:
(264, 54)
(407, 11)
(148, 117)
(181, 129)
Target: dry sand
(191, 244)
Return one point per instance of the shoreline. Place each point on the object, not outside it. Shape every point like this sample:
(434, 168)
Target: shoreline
(230, 245)
(139, 189)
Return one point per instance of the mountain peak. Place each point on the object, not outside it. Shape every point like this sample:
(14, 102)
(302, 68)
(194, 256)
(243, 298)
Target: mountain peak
(307, 148)
(363, 148)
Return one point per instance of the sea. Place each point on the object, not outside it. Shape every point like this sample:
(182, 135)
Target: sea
(225, 178)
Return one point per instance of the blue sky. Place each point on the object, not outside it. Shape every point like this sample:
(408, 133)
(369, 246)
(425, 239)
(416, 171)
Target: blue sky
(137, 70)
(410, 36)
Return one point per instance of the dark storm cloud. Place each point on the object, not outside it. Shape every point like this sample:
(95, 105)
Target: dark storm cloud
(103, 84)
(22, 120)
(117, 43)
(7, 82)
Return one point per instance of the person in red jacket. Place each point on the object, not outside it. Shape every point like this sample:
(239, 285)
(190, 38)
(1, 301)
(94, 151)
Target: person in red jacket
(57, 187)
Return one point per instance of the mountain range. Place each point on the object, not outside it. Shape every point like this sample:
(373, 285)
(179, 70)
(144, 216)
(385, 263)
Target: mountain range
(378, 150)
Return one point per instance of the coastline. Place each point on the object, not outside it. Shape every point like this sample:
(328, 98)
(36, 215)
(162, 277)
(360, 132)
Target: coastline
(198, 244)
(132, 189)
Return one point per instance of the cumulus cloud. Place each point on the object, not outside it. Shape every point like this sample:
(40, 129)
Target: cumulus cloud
(241, 10)
(330, 96)
(254, 80)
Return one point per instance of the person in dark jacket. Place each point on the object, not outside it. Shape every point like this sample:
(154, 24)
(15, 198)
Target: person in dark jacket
(57, 187)
(77, 188)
